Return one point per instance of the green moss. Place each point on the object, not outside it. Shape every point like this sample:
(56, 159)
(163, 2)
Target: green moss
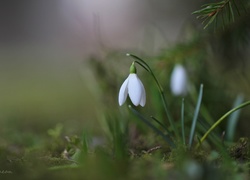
(240, 151)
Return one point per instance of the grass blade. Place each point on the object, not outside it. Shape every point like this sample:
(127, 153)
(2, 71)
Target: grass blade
(182, 121)
(233, 119)
(197, 109)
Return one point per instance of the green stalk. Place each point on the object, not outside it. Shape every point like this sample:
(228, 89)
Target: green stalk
(221, 119)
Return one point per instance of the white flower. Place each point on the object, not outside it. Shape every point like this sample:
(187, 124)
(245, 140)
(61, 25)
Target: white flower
(178, 81)
(133, 87)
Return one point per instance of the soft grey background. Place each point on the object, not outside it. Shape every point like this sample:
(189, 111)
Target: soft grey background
(43, 45)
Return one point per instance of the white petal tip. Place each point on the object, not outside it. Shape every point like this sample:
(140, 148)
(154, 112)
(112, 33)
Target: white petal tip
(120, 104)
(143, 104)
(127, 54)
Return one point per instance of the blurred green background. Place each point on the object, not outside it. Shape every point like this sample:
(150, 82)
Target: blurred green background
(62, 64)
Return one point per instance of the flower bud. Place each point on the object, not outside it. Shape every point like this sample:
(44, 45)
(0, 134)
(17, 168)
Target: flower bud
(178, 81)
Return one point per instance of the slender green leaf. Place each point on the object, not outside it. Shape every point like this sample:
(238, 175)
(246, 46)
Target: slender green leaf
(198, 104)
(233, 119)
(182, 121)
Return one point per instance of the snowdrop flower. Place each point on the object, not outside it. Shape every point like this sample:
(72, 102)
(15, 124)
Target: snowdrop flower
(178, 81)
(133, 87)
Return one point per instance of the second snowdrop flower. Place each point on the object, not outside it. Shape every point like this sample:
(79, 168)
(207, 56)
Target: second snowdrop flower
(133, 87)
(178, 81)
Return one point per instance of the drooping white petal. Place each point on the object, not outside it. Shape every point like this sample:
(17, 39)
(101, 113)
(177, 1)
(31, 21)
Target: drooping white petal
(143, 96)
(123, 93)
(134, 89)
(178, 82)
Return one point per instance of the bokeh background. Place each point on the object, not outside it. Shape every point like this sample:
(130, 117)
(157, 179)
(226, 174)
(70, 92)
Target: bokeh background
(44, 46)
(50, 52)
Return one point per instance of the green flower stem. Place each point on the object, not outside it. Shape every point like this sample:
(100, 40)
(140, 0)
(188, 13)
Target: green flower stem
(147, 68)
(168, 114)
(220, 120)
